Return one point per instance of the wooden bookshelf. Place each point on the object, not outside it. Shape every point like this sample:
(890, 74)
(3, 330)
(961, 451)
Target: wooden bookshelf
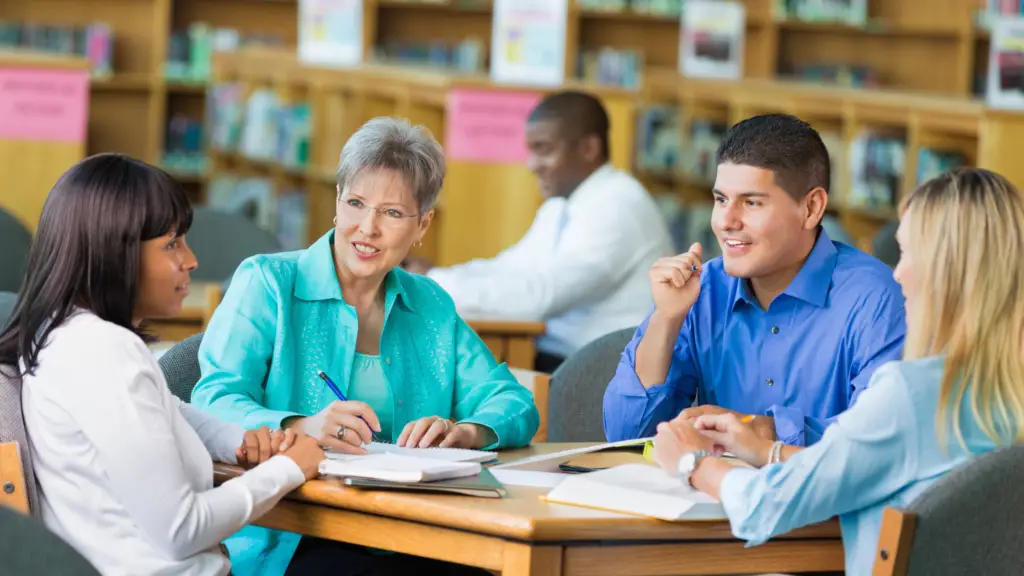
(467, 222)
(130, 110)
(468, 226)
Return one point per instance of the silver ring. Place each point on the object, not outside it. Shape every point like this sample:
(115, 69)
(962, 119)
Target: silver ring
(340, 434)
(446, 425)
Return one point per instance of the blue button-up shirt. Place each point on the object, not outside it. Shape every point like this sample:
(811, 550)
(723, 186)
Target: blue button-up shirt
(803, 361)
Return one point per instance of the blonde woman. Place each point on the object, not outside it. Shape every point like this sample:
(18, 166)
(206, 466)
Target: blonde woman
(959, 391)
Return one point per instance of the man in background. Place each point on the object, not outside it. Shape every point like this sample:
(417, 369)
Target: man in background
(582, 266)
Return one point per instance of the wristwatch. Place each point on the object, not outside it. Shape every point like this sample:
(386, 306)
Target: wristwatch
(688, 463)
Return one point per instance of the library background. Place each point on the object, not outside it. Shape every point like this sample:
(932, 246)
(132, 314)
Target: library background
(249, 102)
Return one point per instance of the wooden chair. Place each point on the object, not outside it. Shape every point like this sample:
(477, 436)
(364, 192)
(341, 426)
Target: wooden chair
(538, 383)
(17, 482)
(13, 484)
(965, 523)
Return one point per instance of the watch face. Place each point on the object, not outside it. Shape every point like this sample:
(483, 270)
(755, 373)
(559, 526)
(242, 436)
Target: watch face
(687, 463)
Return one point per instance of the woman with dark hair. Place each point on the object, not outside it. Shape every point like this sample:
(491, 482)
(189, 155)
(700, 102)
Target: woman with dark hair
(125, 469)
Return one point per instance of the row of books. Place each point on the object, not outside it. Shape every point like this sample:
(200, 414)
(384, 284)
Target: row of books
(877, 161)
(654, 7)
(283, 213)
(468, 56)
(852, 12)
(184, 149)
(664, 148)
(94, 41)
(190, 51)
(262, 127)
(612, 67)
(848, 75)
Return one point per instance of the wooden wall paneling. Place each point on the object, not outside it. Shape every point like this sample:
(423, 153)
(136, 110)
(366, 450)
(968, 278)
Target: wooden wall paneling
(1001, 138)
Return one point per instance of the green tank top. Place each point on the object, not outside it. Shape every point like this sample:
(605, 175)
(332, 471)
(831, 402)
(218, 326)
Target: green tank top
(369, 384)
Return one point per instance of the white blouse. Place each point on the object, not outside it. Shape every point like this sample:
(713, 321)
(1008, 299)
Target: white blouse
(125, 468)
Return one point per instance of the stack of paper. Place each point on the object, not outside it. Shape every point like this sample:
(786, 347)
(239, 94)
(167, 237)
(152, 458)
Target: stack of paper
(443, 454)
(637, 489)
(396, 468)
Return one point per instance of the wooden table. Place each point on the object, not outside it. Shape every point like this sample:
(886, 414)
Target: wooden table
(523, 534)
(511, 341)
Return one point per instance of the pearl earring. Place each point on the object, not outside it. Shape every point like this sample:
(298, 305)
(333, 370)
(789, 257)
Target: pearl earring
(335, 220)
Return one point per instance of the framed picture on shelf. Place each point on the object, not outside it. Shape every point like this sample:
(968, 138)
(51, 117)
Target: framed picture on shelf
(1005, 86)
(712, 34)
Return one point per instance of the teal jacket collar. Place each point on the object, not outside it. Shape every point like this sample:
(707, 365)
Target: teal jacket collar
(318, 279)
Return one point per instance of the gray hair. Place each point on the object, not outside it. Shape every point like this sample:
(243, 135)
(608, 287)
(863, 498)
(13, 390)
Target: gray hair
(395, 144)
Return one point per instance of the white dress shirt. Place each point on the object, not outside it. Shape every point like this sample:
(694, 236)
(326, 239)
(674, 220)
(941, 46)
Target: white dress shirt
(125, 468)
(581, 267)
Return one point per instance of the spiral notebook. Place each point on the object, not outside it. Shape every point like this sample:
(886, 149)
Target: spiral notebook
(443, 454)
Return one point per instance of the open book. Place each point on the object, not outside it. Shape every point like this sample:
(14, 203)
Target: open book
(637, 489)
(397, 468)
(443, 454)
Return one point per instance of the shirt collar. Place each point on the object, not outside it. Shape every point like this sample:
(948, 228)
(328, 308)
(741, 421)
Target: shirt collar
(318, 280)
(591, 182)
(811, 284)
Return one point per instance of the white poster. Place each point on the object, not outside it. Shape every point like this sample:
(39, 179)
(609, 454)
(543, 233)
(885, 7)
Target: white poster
(1005, 86)
(331, 32)
(528, 41)
(711, 39)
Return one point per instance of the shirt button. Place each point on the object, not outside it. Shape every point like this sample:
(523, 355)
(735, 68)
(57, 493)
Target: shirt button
(775, 329)
(769, 382)
(387, 361)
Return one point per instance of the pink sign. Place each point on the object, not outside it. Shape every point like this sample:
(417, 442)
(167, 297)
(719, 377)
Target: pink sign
(47, 105)
(488, 125)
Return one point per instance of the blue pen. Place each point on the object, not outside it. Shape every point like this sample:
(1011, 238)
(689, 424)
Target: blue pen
(337, 392)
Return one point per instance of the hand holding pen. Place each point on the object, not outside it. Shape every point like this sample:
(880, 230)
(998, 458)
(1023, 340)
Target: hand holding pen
(345, 426)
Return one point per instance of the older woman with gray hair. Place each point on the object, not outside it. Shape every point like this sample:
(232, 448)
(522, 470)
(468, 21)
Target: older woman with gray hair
(338, 342)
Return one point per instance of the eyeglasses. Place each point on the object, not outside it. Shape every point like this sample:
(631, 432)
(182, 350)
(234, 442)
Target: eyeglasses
(354, 210)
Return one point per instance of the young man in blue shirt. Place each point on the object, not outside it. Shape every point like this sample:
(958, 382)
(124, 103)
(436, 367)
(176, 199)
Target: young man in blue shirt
(787, 326)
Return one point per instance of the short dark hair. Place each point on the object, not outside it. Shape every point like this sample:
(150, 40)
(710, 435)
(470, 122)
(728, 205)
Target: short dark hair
(784, 144)
(580, 114)
(86, 249)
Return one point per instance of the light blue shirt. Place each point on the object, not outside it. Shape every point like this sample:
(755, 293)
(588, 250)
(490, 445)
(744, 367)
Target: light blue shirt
(882, 452)
(370, 385)
(283, 319)
(803, 361)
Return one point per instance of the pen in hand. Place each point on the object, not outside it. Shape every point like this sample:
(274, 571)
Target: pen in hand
(337, 392)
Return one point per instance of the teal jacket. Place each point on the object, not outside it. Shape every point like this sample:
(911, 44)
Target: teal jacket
(283, 319)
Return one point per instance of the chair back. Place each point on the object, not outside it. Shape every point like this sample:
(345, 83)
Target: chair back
(965, 523)
(221, 240)
(577, 389)
(17, 480)
(884, 245)
(180, 365)
(16, 241)
(7, 302)
(28, 548)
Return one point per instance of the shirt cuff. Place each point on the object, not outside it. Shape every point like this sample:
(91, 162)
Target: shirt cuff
(269, 482)
(789, 424)
(733, 494)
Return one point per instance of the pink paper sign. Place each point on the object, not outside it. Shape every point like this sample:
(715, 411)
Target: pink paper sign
(488, 125)
(43, 105)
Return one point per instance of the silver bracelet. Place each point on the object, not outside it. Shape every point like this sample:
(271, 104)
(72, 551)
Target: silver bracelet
(775, 455)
